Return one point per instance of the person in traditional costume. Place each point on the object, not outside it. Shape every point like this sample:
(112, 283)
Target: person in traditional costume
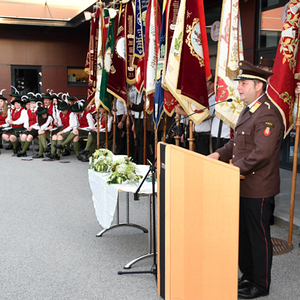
(3, 115)
(16, 120)
(85, 124)
(66, 124)
(44, 123)
(30, 125)
(92, 136)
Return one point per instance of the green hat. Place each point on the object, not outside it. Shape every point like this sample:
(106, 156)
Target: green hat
(251, 72)
(48, 96)
(33, 98)
(63, 105)
(77, 107)
(41, 110)
(69, 98)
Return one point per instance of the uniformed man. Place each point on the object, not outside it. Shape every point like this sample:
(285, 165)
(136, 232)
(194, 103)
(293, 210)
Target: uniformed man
(255, 149)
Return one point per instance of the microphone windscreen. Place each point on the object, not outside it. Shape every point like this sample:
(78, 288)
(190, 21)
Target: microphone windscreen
(229, 100)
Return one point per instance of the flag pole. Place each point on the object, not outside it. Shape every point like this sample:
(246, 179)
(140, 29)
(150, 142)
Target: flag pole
(98, 129)
(165, 127)
(177, 137)
(295, 165)
(145, 134)
(114, 125)
(191, 136)
(106, 129)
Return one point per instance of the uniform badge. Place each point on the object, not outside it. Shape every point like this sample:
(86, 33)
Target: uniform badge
(267, 131)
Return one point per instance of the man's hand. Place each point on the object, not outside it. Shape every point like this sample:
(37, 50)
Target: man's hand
(214, 155)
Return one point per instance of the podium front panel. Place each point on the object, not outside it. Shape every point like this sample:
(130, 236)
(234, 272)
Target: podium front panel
(201, 226)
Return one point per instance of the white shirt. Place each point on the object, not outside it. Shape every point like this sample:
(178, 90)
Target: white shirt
(205, 125)
(120, 107)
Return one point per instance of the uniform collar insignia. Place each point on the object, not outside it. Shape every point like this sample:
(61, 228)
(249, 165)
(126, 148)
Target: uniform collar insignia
(255, 107)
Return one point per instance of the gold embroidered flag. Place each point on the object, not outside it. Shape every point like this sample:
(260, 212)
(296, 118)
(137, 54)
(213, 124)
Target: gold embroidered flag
(186, 57)
(153, 24)
(129, 43)
(230, 52)
(282, 84)
(171, 18)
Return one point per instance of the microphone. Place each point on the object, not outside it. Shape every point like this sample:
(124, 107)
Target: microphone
(171, 130)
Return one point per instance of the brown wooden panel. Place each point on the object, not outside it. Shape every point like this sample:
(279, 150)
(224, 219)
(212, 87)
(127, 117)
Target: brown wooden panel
(201, 226)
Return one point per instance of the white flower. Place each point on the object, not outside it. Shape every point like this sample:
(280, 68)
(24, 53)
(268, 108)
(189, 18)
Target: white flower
(121, 169)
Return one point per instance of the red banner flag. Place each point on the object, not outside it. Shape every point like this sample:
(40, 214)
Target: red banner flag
(282, 84)
(91, 58)
(116, 84)
(186, 58)
(129, 43)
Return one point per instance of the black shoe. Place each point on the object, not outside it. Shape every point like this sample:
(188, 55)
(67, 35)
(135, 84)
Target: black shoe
(252, 292)
(55, 156)
(49, 155)
(58, 146)
(85, 152)
(80, 157)
(15, 150)
(21, 154)
(86, 159)
(38, 156)
(66, 153)
(243, 283)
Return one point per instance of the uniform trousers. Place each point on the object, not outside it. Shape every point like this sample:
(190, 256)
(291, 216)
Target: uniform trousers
(202, 142)
(255, 245)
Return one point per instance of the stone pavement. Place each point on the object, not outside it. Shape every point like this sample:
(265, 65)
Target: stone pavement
(49, 249)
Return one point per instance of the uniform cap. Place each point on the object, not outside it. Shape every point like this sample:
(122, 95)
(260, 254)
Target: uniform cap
(251, 72)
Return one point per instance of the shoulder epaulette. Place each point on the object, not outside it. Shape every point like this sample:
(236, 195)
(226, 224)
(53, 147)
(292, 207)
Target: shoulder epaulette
(255, 107)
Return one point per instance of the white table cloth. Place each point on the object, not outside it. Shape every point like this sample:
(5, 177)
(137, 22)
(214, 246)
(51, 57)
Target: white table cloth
(105, 196)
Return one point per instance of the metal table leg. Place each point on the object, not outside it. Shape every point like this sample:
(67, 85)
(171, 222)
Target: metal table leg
(118, 224)
(150, 246)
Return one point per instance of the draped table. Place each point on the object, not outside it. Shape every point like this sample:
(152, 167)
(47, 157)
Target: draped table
(106, 202)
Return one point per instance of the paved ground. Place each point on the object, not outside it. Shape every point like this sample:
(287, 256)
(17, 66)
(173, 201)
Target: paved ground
(49, 248)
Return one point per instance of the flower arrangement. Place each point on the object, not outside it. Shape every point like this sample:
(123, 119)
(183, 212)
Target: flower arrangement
(123, 170)
(101, 160)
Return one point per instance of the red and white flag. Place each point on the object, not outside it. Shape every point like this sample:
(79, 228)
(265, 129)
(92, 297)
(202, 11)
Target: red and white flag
(187, 56)
(281, 88)
(230, 52)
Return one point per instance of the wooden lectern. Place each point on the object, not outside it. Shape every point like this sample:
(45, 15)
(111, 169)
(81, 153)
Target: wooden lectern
(198, 221)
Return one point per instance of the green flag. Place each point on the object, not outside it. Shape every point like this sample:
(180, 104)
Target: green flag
(105, 97)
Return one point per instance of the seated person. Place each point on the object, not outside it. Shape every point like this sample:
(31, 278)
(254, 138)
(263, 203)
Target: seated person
(16, 121)
(44, 122)
(84, 125)
(30, 125)
(92, 136)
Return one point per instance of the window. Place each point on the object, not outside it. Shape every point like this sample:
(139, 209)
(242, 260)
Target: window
(27, 79)
(77, 76)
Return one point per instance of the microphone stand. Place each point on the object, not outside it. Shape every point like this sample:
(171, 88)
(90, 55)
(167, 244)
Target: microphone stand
(195, 112)
(153, 269)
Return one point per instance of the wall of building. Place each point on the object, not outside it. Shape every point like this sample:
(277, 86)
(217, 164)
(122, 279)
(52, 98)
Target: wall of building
(54, 49)
(248, 10)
